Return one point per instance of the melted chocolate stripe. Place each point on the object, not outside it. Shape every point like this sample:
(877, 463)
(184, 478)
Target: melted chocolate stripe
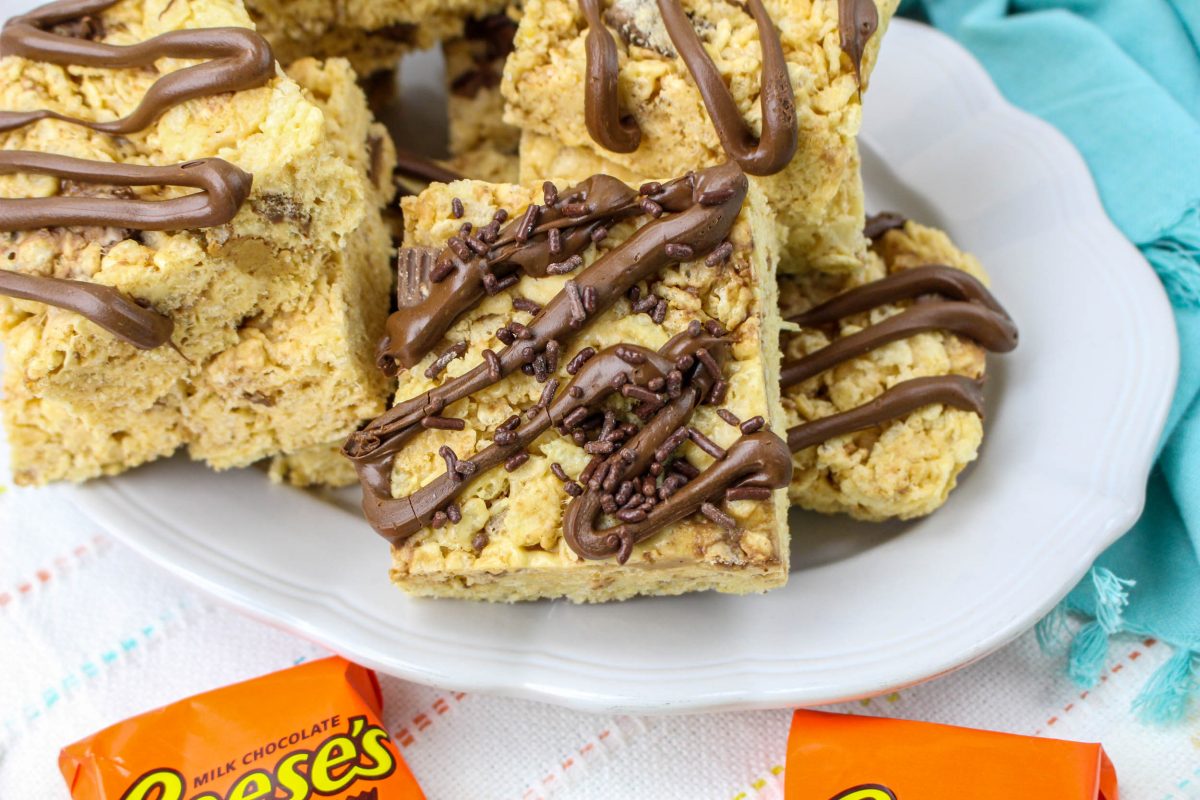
(757, 460)
(414, 330)
(908, 284)
(141, 327)
(642, 255)
(901, 399)
(239, 59)
(399, 518)
(763, 155)
(601, 107)
(857, 22)
(993, 331)
(411, 165)
(223, 187)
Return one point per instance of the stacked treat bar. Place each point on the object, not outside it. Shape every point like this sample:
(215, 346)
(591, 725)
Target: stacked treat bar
(638, 309)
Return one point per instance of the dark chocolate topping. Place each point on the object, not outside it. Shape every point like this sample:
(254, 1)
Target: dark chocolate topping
(951, 390)
(908, 284)
(992, 330)
(223, 187)
(763, 155)
(601, 107)
(142, 327)
(756, 460)
(416, 166)
(857, 22)
(413, 331)
(238, 59)
(971, 311)
(879, 224)
(698, 224)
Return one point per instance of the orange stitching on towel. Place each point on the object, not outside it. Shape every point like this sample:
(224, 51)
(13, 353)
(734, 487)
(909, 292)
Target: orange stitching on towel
(62, 564)
(1132, 656)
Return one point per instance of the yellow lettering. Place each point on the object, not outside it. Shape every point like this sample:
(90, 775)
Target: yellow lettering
(870, 791)
(252, 786)
(374, 748)
(324, 760)
(158, 784)
(290, 780)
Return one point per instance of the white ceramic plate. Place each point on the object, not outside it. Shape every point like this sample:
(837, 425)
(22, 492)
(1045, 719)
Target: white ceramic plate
(1073, 418)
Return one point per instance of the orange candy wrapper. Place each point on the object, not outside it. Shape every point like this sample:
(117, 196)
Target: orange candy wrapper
(309, 731)
(843, 757)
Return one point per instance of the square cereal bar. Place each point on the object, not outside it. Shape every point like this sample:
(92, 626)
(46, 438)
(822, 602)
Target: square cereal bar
(588, 393)
(270, 298)
(645, 113)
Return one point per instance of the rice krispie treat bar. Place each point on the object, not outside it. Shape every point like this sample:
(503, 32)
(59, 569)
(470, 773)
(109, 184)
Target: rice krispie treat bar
(882, 375)
(672, 85)
(588, 393)
(139, 314)
(372, 34)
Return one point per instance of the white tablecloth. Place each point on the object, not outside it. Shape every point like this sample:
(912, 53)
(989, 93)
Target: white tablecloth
(90, 633)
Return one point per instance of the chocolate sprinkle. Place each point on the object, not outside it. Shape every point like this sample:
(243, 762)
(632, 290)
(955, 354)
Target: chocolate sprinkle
(753, 424)
(729, 417)
(718, 516)
(747, 493)
(443, 423)
(679, 252)
(456, 350)
(706, 444)
(720, 255)
(525, 304)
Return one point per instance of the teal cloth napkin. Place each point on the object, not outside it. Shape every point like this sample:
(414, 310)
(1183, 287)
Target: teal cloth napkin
(1121, 78)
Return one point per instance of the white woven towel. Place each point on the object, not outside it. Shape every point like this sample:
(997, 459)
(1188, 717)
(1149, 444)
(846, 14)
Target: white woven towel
(90, 634)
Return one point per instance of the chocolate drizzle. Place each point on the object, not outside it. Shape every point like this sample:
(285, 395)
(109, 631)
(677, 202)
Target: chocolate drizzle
(697, 213)
(758, 460)
(141, 327)
(990, 329)
(879, 224)
(413, 331)
(763, 155)
(905, 397)
(411, 165)
(601, 106)
(223, 187)
(857, 22)
(970, 310)
(238, 59)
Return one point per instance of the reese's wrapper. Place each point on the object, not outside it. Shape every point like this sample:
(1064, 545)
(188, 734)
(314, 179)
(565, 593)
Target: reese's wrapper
(842, 757)
(306, 732)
